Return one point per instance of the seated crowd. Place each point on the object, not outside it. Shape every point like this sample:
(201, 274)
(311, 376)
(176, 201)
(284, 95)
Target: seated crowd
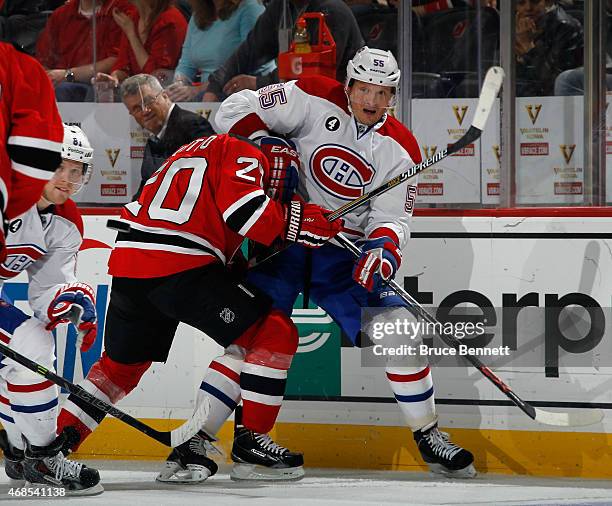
(205, 50)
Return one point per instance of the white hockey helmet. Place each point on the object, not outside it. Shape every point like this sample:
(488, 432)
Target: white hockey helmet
(373, 66)
(76, 147)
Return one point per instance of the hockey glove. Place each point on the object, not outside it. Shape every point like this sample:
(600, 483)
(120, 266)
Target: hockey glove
(308, 225)
(75, 303)
(284, 167)
(379, 260)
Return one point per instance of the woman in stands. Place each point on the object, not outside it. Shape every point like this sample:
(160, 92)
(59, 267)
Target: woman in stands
(151, 41)
(216, 29)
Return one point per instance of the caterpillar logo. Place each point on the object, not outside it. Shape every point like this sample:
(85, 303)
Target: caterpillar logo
(533, 111)
(113, 155)
(460, 113)
(497, 152)
(568, 151)
(429, 151)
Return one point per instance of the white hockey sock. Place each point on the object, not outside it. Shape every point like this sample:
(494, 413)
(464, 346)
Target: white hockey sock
(414, 393)
(222, 387)
(33, 400)
(8, 421)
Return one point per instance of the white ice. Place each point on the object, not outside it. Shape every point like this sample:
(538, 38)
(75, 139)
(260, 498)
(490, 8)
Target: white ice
(132, 483)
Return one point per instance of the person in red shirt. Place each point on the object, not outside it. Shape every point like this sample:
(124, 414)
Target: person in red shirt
(31, 133)
(151, 42)
(65, 47)
(169, 265)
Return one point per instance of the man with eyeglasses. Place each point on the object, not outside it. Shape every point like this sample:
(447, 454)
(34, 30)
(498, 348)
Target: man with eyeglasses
(171, 126)
(44, 242)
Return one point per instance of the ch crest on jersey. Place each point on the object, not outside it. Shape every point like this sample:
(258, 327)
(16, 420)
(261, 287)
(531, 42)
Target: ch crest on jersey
(340, 171)
(18, 259)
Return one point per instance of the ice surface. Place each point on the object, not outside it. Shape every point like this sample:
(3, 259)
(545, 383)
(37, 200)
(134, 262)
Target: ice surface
(132, 483)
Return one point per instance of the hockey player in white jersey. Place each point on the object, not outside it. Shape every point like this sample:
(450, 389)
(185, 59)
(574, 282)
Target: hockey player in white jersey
(349, 145)
(44, 242)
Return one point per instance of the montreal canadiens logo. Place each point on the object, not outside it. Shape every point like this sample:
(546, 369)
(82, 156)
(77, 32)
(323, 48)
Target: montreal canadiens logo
(340, 171)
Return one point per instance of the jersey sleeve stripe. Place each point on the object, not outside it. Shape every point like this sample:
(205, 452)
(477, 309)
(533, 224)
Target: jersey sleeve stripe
(35, 142)
(36, 163)
(243, 213)
(3, 196)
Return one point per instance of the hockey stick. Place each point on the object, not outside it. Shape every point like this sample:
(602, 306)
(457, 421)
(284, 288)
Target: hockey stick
(172, 438)
(575, 418)
(490, 88)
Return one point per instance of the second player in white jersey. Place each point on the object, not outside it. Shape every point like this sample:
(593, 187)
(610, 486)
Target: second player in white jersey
(43, 242)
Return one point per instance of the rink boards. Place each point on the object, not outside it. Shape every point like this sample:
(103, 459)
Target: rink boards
(342, 414)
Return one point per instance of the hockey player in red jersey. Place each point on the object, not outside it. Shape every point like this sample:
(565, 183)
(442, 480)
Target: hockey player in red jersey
(169, 266)
(30, 134)
(44, 242)
(349, 145)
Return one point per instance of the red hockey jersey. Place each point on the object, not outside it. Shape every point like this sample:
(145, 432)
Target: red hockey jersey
(31, 131)
(196, 209)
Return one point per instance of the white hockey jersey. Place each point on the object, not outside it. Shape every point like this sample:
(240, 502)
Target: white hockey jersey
(45, 244)
(340, 160)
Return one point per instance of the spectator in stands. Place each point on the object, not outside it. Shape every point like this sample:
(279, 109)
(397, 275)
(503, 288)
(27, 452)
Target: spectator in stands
(21, 22)
(423, 7)
(151, 41)
(571, 82)
(171, 126)
(216, 29)
(65, 46)
(548, 41)
(267, 39)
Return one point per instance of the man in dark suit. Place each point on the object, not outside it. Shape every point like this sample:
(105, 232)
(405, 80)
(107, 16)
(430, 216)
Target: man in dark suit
(170, 125)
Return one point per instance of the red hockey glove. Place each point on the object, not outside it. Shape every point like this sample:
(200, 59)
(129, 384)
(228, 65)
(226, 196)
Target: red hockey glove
(75, 303)
(284, 167)
(308, 225)
(379, 260)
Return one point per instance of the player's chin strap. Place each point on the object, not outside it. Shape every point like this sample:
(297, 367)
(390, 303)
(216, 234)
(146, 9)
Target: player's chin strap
(576, 418)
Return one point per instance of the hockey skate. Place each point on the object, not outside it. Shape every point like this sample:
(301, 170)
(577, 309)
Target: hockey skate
(442, 456)
(188, 463)
(46, 466)
(257, 457)
(13, 459)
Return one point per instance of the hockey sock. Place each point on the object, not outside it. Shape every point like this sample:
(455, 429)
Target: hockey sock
(264, 373)
(29, 403)
(414, 393)
(107, 380)
(8, 421)
(221, 386)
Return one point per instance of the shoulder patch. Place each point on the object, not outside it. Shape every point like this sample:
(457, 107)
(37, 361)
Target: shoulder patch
(404, 137)
(70, 211)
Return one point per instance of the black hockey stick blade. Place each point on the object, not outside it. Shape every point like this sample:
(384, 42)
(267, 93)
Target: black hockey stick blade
(574, 418)
(172, 438)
